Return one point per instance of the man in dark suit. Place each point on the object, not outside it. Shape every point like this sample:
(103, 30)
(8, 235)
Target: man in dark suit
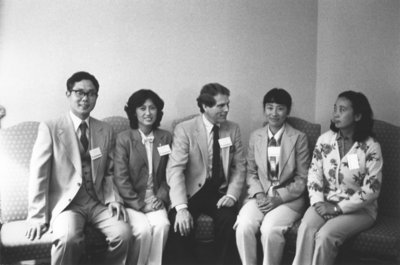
(71, 180)
(205, 172)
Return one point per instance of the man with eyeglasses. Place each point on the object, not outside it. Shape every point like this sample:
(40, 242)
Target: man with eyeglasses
(71, 182)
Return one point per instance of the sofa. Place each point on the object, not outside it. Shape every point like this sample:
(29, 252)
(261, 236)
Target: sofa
(380, 244)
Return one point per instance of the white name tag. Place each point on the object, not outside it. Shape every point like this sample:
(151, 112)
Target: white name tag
(164, 150)
(274, 151)
(95, 153)
(225, 142)
(352, 159)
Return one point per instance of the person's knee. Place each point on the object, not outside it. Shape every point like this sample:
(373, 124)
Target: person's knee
(69, 240)
(245, 226)
(324, 237)
(122, 232)
(141, 230)
(269, 230)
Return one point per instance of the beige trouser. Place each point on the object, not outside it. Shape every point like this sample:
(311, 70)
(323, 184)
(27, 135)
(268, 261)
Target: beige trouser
(272, 226)
(150, 233)
(318, 240)
(68, 236)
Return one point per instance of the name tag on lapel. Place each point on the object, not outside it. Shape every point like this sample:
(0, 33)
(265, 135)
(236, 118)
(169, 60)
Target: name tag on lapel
(274, 151)
(164, 150)
(352, 159)
(225, 142)
(95, 153)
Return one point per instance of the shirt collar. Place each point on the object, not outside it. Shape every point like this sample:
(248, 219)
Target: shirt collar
(339, 137)
(277, 135)
(150, 136)
(208, 124)
(77, 121)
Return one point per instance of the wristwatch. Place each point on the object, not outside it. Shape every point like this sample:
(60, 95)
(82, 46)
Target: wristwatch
(337, 211)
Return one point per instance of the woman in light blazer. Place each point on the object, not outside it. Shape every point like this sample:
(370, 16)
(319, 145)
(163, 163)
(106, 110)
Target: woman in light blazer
(141, 156)
(277, 162)
(344, 182)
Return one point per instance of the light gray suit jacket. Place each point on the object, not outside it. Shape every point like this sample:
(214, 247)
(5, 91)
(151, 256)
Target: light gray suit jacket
(188, 162)
(132, 169)
(293, 166)
(56, 169)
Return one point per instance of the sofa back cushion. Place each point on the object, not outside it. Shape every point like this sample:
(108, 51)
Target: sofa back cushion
(16, 144)
(388, 135)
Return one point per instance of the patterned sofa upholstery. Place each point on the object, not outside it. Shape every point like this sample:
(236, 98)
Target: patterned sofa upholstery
(381, 243)
(16, 145)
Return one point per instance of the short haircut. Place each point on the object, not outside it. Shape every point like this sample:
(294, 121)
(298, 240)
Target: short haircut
(360, 105)
(79, 76)
(278, 96)
(136, 100)
(207, 94)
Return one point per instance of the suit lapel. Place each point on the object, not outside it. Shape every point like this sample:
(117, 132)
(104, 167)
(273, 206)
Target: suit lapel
(223, 133)
(96, 140)
(201, 136)
(158, 141)
(139, 146)
(67, 137)
(287, 145)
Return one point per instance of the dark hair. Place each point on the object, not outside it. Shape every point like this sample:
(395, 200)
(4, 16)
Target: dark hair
(136, 100)
(207, 94)
(279, 96)
(360, 105)
(79, 76)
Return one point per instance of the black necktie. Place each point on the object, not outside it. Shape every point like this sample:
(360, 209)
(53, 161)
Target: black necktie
(84, 140)
(216, 151)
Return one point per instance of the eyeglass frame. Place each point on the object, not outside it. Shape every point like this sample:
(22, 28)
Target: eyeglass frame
(80, 93)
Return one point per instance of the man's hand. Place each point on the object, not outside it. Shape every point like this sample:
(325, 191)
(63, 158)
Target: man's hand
(225, 201)
(183, 222)
(35, 230)
(119, 210)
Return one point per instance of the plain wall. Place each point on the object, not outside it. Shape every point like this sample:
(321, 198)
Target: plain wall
(359, 49)
(172, 47)
(314, 49)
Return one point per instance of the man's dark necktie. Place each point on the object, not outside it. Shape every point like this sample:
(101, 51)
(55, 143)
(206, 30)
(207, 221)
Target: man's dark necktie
(216, 153)
(84, 140)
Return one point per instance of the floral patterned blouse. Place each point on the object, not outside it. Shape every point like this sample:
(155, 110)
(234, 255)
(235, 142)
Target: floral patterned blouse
(352, 184)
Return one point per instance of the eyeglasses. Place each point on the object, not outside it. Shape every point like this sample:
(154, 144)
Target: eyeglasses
(80, 93)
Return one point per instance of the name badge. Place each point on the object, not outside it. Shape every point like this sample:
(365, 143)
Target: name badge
(352, 159)
(225, 142)
(274, 151)
(164, 150)
(95, 153)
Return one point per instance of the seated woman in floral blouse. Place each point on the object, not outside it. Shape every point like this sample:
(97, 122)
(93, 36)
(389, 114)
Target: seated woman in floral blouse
(344, 182)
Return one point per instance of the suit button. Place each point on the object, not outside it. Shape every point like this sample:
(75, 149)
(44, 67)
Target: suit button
(199, 184)
(188, 196)
(79, 183)
(69, 200)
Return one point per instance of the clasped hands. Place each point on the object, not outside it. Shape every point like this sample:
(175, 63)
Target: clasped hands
(267, 203)
(184, 220)
(326, 209)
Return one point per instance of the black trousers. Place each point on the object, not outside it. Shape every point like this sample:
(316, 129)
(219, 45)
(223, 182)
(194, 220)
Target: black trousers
(181, 249)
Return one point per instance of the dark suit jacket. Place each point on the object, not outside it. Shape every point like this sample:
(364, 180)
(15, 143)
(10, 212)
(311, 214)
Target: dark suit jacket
(56, 169)
(293, 165)
(132, 170)
(188, 162)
